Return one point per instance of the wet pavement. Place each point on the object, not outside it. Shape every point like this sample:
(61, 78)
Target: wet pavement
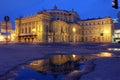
(56, 67)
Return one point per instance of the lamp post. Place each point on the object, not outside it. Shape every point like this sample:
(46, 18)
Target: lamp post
(104, 34)
(54, 35)
(101, 34)
(33, 32)
(74, 30)
(6, 19)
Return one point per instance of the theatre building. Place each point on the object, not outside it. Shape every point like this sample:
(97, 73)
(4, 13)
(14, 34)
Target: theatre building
(62, 26)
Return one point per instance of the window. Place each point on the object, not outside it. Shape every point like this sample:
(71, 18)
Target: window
(47, 28)
(98, 23)
(57, 18)
(29, 29)
(51, 13)
(83, 39)
(102, 23)
(22, 30)
(90, 32)
(89, 24)
(81, 24)
(79, 31)
(84, 24)
(82, 32)
(29, 23)
(86, 32)
(62, 30)
(25, 30)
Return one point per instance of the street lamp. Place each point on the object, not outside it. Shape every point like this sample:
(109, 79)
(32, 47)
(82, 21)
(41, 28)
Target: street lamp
(74, 30)
(104, 54)
(33, 30)
(106, 31)
(73, 56)
(33, 34)
(6, 18)
(106, 34)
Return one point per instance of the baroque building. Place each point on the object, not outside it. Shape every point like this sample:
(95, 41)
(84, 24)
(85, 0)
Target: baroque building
(62, 26)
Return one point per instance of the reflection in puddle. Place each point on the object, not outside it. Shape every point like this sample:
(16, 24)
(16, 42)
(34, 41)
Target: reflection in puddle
(105, 54)
(58, 64)
(114, 49)
(54, 68)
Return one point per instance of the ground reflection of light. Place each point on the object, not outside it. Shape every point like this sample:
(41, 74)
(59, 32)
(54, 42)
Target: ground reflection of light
(114, 49)
(110, 49)
(104, 54)
(35, 63)
(74, 56)
(1, 38)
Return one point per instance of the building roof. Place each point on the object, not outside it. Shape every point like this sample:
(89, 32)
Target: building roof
(94, 18)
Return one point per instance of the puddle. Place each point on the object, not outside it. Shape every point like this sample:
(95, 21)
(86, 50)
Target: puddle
(104, 54)
(114, 49)
(57, 67)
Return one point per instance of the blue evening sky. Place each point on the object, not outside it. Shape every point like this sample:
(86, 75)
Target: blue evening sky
(85, 8)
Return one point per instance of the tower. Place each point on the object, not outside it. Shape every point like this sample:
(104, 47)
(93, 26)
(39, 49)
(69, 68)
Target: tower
(55, 7)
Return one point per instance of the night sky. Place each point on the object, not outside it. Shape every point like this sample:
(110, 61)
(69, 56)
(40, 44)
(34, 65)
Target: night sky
(85, 8)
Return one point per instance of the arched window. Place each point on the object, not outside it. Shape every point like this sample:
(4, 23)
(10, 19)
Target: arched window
(29, 29)
(47, 28)
(58, 18)
(22, 30)
(25, 30)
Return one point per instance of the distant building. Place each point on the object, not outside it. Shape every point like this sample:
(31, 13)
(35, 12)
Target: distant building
(3, 34)
(97, 30)
(3, 27)
(116, 32)
(116, 35)
(63, 26)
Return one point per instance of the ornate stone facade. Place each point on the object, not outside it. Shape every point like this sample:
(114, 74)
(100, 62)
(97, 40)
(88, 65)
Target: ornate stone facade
(62, 26)
(97, 30)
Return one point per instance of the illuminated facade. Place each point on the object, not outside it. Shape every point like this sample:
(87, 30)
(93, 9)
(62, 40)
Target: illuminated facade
(97, 30)
(62, 26)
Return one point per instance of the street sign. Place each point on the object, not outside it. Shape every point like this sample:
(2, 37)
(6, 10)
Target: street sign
(6, 18)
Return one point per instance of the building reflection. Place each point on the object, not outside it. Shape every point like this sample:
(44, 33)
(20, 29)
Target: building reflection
(113, 49)
(105, 54)
(59, 64)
